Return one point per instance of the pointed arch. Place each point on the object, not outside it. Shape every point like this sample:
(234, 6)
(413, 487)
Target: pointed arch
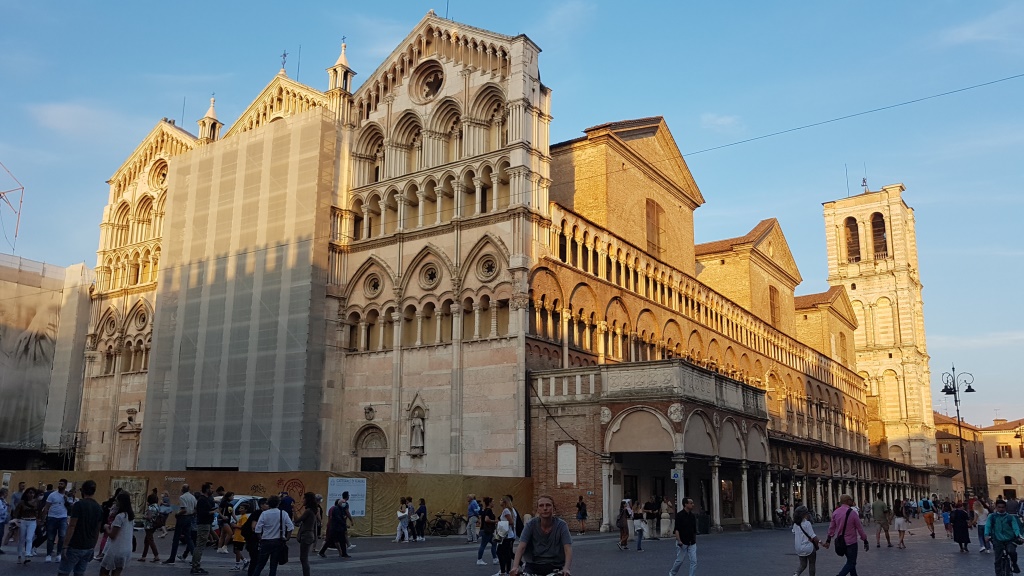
(488, 239)
(730, 441)
(425, 253)
(371, 261)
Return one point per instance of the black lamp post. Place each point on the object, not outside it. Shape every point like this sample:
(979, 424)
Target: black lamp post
(951, 384)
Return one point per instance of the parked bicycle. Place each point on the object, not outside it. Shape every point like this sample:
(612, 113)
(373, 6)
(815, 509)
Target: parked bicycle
(445, 524)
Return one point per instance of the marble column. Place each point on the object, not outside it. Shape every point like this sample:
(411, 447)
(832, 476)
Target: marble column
(831, 498)
(606, 493)
(716, 497)
(746, 498)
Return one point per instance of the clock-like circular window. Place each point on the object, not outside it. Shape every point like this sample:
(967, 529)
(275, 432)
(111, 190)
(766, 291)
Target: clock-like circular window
(373, 285)
(487, 268)
(427, 82)
(430, 276)
(158, 175)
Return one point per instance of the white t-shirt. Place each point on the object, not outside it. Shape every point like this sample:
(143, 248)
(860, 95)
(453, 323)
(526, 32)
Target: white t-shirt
(803, 544)
(58, 509)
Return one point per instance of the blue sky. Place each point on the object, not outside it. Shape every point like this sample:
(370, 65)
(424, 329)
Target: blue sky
(81, 83)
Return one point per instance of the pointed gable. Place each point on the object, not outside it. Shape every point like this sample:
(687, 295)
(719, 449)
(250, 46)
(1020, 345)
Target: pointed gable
(835, 298)
(165, 140)
(281, 98)
(445, 40)
(766, 239)
(651, 143)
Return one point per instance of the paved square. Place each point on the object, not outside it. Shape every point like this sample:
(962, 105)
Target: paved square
(762, 552)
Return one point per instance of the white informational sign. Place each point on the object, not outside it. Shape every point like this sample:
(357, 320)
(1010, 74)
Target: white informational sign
(566, 463)
(356, 488)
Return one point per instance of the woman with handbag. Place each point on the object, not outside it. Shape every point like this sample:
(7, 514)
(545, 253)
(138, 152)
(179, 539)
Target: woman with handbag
(805, 540)
(506, 535)
(622, 522)
(402, 531)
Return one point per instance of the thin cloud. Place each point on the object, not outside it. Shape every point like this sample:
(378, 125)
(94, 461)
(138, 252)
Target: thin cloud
(978, 341)
(564, 19)
(723, 123)
(1000, 28)
(76, 120)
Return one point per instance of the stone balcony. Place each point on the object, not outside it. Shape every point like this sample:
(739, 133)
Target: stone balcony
(644, 380)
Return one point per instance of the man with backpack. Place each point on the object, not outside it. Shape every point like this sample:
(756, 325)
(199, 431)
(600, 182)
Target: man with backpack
(252, 539)
(929, 515)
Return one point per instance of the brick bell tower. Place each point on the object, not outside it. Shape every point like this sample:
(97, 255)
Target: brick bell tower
(872, 252)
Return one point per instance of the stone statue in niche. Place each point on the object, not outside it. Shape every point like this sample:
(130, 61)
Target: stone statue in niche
(416, 442)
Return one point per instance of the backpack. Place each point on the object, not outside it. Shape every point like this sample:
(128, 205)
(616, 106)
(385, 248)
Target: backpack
(519, 522)
(926, 505)
(247, 529)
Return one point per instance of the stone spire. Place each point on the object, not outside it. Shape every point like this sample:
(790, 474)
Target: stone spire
(209, 126)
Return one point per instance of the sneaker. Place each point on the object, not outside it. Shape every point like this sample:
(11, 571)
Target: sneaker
(236, 567)
(351, 546)
(495, 561)
(56, 558)
(481, 563)
(321, 554)
(245, 564)
(48, 558)
(933, 534)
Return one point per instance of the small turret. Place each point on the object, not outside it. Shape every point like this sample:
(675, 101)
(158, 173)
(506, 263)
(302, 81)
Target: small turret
(340, 74)
(209, 126)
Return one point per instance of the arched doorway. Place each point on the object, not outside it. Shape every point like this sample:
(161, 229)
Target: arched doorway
(641, 442)
(372, 449)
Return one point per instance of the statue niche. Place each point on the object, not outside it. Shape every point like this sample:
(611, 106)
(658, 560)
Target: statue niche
(417, 422)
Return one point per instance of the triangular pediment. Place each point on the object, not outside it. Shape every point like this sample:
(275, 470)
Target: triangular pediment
(772, 244)
(650, 141)
(282, 97)
(165, 141)
(834, 298)
(453, 43)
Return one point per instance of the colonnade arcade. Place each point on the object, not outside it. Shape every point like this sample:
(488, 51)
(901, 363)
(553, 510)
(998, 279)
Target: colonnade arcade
(817, 477)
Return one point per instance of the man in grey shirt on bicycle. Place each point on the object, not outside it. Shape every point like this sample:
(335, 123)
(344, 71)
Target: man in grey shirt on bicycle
(545, 543)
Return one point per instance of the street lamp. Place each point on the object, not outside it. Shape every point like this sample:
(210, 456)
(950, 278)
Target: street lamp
(951, 384)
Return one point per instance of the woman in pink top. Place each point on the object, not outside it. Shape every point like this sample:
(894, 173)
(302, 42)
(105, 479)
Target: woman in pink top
(846, 524)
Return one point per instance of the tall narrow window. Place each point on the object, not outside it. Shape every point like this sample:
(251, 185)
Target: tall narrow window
(879, 241)
(655, 215)
(852, 241)
(773, 303)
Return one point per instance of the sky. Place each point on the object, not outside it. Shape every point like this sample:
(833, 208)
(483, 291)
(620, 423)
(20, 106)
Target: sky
(82, 83)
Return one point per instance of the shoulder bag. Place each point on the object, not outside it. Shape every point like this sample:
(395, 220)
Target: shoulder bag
(841, 541)
(811, 540)
(282, 554)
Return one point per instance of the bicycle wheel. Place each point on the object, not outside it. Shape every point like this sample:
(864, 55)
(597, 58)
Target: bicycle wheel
(1003, 566)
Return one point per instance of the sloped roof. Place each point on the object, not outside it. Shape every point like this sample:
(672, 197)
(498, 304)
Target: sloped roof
(811, 300)
(941, 418)
(1006, 427)
(719, 246)
(622, 124)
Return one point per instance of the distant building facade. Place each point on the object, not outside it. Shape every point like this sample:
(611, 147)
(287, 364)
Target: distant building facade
(872, 253)
(973, 481)
(1004, 457)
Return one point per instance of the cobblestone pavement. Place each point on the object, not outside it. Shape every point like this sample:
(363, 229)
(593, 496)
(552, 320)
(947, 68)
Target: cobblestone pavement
(760, 552)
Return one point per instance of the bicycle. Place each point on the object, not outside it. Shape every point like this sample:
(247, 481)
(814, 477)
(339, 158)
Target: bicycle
(1004, 567)
(441, 526)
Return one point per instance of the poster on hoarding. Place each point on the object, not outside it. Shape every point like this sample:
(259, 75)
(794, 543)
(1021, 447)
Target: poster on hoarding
(356, 488)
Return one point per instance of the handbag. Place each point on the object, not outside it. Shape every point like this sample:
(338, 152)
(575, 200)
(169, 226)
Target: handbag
(282, 553)
(502, 529)
(841, 542)
(414, 517)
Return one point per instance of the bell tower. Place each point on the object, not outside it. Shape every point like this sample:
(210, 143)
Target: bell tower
(872, 252)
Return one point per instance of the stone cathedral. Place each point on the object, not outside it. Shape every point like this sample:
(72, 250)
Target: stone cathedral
(408, 276)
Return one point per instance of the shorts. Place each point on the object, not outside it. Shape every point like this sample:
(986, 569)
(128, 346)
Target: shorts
(882, 524)
(929, 518)
(238, 546)
(901, 524)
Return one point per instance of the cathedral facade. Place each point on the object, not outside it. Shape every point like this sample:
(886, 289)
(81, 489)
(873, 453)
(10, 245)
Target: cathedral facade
(379, 279)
